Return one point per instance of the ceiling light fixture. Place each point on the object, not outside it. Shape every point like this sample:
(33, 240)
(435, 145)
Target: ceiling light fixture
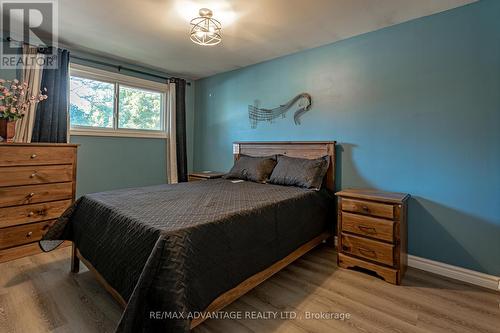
(205, 30)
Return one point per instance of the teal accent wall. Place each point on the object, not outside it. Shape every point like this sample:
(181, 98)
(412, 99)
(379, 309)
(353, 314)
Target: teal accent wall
(415, 108)
(107, 163)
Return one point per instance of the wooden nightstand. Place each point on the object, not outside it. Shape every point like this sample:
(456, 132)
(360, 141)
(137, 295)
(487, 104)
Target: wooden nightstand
(372, 232)
(204, 175)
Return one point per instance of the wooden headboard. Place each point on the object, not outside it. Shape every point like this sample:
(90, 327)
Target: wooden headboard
(302, 149)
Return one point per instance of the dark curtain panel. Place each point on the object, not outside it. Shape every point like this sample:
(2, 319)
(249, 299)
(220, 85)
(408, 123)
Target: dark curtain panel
(180, 127)
(51, 122)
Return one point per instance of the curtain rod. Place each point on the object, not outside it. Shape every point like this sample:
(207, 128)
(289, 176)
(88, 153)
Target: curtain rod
(120, 68)
(102, 63)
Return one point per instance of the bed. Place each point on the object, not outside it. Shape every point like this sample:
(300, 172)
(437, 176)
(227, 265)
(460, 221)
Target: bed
(170, 254)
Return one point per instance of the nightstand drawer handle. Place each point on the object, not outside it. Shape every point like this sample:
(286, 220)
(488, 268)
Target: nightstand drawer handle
(368, 230)
(33, 156)
(365, 209)
(30, 214)
(33, 175)
(367, 252)
(29, 234)
(31, 195)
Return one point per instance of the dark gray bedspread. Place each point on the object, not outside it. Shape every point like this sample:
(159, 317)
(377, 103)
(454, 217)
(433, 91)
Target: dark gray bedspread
(177, 247)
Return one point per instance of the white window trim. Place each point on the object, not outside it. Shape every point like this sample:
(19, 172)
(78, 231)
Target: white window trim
(129, 81)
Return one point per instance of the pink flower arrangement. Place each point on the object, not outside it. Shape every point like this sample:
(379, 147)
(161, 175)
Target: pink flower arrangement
(14, 101)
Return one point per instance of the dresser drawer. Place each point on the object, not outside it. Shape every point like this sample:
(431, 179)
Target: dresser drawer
(32, 213)
(33, 155)
(23, 234)
(23, 195)
(13, 176)
(368, 226)
(369, 249)
(368, 208)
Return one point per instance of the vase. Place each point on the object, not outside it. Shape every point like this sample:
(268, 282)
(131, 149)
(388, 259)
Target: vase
(7, 130)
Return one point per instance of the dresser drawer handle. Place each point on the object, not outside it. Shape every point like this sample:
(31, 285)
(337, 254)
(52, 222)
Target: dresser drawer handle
(33, 156)
(368, 230)
(33, 175)
(367, 252)
(29, 234)
(365, 209)
(31, 195)
(40, 212)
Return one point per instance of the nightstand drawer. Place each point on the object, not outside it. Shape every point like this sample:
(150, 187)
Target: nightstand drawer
(369, 249)
(368, 208)
(194, 179)
(23, 234)
(368, 226)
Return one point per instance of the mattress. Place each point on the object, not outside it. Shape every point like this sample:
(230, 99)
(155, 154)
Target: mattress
(175, 248)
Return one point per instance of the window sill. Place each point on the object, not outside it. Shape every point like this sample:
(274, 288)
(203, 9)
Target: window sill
(119, 133)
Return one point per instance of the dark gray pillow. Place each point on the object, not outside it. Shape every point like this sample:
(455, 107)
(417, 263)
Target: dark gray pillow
(300, 172)
(255, 169)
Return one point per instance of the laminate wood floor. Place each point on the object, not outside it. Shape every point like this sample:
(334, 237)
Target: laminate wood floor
(38, 294)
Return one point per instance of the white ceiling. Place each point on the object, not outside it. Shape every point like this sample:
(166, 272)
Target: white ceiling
(155, 32)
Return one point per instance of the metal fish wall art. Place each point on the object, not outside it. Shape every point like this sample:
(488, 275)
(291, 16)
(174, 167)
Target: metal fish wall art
(303, 100)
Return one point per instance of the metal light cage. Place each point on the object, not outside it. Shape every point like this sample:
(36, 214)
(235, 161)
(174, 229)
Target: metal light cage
(205, 30)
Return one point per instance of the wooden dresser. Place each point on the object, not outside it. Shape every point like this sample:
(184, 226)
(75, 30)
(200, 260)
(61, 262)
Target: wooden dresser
(372, 232)
(37, 184)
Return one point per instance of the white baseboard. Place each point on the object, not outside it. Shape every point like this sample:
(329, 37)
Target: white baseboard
(455, 272)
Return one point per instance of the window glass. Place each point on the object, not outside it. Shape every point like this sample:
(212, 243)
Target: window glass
(91, 103)
(139, 109)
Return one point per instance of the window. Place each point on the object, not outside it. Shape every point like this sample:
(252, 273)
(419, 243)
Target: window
(105, 103)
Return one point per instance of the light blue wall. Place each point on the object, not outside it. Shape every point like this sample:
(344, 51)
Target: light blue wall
(415, 108)
(107, 163)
